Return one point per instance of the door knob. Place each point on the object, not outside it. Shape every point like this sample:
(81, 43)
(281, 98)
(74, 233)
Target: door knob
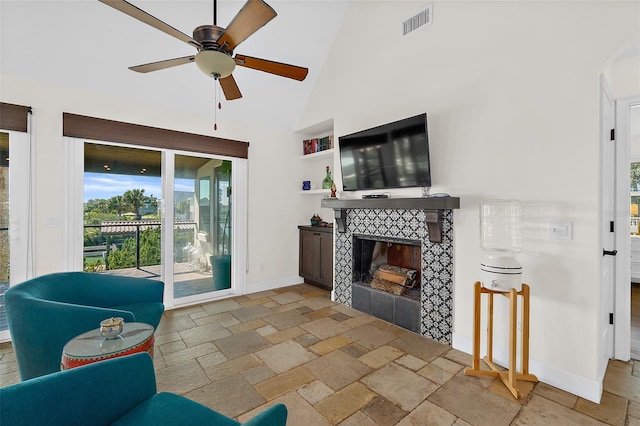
(609, 252)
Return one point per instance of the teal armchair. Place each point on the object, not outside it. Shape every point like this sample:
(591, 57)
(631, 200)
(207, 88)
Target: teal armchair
(119, 391)
(46, 312)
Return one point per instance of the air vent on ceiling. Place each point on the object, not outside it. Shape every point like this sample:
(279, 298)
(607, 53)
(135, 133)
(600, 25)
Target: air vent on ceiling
(421, 19)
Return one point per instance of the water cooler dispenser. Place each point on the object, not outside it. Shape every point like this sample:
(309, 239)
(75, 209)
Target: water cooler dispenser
(501, 238)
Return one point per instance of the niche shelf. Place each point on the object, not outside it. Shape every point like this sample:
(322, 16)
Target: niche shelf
(315, 163)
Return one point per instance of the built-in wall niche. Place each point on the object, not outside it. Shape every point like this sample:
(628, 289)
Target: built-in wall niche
(316, 152)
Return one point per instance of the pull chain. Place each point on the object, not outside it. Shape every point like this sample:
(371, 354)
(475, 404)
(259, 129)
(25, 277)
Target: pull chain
(215, 110)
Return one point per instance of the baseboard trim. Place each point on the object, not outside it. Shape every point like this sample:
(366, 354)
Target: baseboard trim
(258, 286)
(248, 289)
(565, 380)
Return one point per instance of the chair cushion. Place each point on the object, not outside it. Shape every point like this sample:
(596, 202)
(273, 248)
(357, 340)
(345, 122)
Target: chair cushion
(170, 409)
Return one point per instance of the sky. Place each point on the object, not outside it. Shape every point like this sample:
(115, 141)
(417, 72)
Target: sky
(105, 186)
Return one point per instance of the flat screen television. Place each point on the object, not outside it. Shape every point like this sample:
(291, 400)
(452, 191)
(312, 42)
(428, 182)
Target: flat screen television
(393, 155)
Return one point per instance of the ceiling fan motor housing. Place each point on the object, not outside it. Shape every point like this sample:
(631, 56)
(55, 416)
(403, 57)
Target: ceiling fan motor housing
(213, 59)
(208, 35)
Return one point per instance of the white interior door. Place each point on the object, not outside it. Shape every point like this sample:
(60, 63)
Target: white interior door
(607, 225)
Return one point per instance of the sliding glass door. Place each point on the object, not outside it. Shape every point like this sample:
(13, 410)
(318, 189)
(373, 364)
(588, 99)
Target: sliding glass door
(159, 214)
(202, 254)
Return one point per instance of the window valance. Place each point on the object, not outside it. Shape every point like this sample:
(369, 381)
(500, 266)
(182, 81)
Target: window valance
(80, 126)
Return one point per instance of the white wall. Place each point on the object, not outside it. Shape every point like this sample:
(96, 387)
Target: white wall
(272, 240)
(623, 76)
(511, 92)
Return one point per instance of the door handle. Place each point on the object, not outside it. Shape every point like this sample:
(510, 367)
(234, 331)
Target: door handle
(609, 252)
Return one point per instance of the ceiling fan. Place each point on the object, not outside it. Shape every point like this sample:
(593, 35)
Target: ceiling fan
(215, 45)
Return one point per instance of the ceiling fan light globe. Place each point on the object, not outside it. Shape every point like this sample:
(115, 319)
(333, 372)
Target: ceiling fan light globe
(215, 64)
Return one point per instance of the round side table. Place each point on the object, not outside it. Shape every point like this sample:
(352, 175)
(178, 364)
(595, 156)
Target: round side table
(91, 347)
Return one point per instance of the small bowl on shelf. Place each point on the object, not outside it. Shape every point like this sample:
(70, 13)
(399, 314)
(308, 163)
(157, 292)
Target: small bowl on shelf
(111, 327)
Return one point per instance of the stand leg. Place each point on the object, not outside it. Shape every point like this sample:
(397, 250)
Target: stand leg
(490, 327)
(476, 327)
(513, 337)
(524, 353)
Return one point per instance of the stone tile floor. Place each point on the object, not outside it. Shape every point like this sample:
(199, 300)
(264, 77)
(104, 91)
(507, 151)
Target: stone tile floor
(330, 364)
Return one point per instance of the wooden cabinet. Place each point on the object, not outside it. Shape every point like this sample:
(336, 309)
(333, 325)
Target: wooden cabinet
(316, 255)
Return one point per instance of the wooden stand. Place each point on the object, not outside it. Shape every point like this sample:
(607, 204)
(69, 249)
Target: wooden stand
(510, 376)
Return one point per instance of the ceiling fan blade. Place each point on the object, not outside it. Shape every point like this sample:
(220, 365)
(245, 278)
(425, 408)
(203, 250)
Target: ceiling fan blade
(143, 16)
(230, 88)
(277, 68)
(253, 16)
(160, 65)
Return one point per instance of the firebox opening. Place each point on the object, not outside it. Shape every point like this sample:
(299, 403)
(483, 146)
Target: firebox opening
(391, 265)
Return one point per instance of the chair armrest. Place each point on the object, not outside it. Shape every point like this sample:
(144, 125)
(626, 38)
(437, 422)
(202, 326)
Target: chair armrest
(272, 416)
(96, 394)
(41, 328)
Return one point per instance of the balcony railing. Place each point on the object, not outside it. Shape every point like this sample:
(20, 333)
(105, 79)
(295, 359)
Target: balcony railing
(113, 234)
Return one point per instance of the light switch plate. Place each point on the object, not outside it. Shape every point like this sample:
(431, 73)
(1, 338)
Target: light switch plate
(560, 230)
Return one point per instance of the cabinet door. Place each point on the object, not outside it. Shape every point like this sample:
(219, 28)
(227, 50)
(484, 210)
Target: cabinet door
(308, 257)
(325, 272)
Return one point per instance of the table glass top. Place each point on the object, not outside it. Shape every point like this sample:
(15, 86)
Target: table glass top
(91, 343)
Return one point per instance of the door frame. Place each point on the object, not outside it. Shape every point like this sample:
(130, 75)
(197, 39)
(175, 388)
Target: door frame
(608, 217)
(622, 291)
(20, 211)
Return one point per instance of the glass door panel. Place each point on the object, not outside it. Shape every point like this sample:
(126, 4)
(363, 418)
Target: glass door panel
(202, 229)
(122, 221)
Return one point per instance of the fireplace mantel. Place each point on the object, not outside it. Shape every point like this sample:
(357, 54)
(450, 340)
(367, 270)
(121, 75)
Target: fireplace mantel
(432, 207)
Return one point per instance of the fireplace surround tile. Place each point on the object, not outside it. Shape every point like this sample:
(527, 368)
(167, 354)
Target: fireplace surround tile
(436, 299)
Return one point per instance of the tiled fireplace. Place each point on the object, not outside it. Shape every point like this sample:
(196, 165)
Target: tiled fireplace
(426, 223)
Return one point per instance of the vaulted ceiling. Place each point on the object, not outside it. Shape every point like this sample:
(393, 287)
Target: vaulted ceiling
(87, 46)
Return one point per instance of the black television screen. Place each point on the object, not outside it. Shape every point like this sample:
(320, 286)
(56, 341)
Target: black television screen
(394, 155)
